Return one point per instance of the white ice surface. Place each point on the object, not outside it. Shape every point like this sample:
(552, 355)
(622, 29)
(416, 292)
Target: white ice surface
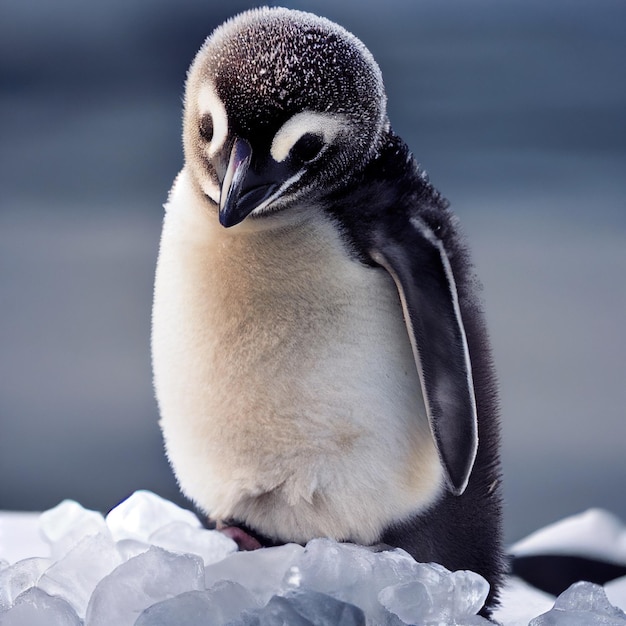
(520, 603)
(149, 563)
(20, 538)
(595, 533)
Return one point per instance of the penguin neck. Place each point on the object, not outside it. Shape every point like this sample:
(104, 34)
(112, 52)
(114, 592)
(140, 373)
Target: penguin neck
(203, 213)
(289, 244)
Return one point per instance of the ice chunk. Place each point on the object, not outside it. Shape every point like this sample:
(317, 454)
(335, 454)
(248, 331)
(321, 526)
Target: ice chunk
(470, 592)
(76, 575)
(410, 601)
(143, 513)
(303, 608)
(586, 597)
(35, 607)
(582, 604)
(67, 523)
(261, 571)
(455, 595)
(217, 606)
(19, 577)
(142, 581)
(211, 545)
(326, 563)
(324, 610)
(128, 548)
(438, 596)
(352, 573)
(381, 583)
(325, 583)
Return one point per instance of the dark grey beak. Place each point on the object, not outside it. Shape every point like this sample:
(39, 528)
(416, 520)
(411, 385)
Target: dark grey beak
(243, 189)
(238, 165)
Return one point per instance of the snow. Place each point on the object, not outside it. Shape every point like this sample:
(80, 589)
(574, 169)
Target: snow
(594, 533)
(20, 537)
(150, 563)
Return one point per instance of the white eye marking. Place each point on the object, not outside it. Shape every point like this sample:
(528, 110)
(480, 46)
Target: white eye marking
(326, 125)
(210, 103)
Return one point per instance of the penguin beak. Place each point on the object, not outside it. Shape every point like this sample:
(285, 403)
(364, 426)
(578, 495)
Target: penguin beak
(242, 189)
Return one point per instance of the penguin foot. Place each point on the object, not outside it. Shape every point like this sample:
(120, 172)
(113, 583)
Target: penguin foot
(245, 541)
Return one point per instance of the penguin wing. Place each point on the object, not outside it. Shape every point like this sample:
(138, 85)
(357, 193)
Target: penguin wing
(419, 266)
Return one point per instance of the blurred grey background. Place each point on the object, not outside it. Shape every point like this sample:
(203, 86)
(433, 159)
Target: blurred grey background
(516, 109)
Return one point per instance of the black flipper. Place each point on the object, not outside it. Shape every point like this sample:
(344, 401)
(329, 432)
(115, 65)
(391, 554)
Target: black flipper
(419, 265)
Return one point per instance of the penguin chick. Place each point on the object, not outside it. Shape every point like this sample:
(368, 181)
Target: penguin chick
(320, 358)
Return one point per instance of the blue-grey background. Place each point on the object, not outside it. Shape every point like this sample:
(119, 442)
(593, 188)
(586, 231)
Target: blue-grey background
(516, 109)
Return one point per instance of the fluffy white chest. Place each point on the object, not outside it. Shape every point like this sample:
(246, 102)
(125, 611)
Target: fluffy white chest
(288, 393)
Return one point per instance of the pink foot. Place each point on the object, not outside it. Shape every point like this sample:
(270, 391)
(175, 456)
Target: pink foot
(241, 538)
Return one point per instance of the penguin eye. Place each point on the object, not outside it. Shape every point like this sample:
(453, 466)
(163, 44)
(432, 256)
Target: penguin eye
(307, 147)
(206, 127)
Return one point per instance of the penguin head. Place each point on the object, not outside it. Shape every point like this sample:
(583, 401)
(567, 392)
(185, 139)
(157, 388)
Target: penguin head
(280, 107)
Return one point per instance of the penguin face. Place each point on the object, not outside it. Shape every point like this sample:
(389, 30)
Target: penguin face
(280, 107)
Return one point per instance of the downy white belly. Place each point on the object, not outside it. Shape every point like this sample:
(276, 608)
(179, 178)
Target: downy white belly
(288, 392)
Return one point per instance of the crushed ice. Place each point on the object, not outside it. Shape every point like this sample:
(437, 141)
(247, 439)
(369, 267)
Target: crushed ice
(150, 563)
